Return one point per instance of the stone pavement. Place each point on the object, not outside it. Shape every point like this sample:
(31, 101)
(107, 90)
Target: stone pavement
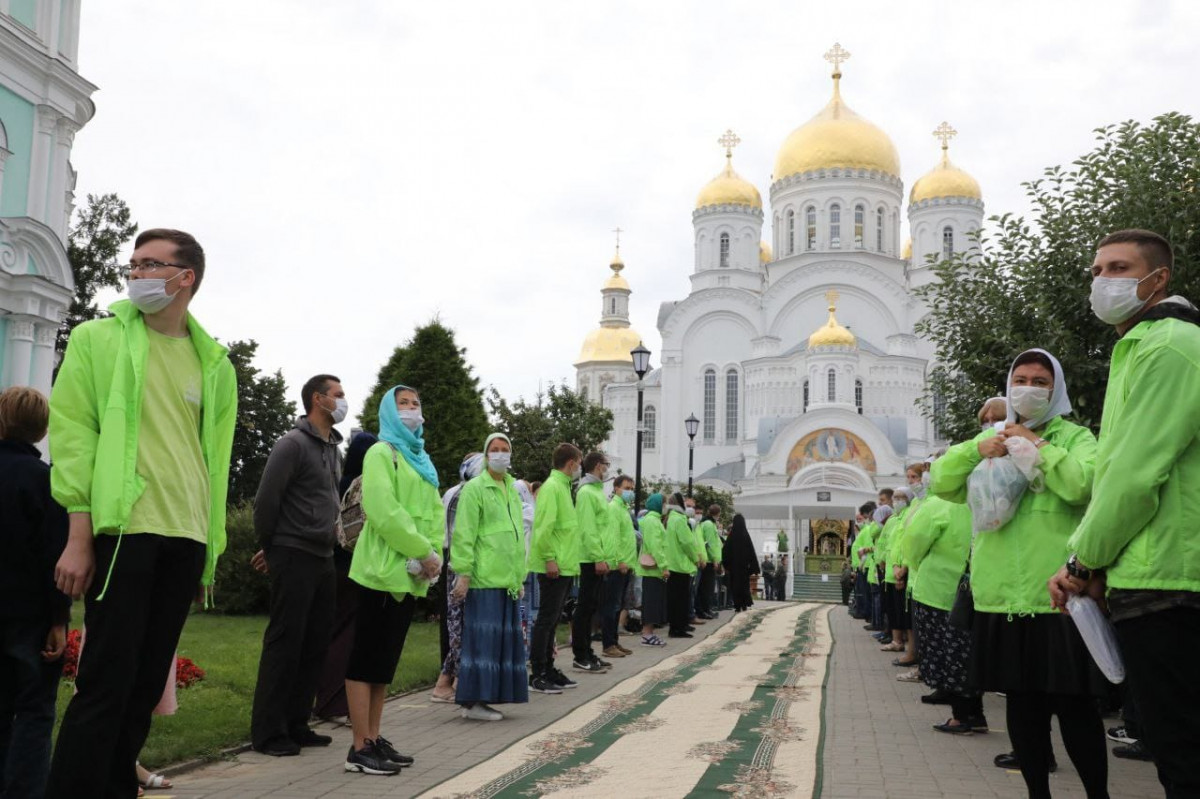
(442, 743)
(879, 742)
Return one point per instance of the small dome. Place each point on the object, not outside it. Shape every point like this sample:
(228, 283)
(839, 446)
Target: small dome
(616, 281)
(609, 344)
(945, 179)
(906, 253)
(764, 253)
(729, 188)
(832, 333)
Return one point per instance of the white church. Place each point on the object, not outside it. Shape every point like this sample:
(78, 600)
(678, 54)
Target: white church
(795, 347)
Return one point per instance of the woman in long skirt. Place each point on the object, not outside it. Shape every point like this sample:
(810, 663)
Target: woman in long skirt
(740, 562)
(487, 553)
(652, 568)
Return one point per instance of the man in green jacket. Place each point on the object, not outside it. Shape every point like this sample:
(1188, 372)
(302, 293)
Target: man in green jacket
(554, 557)
(596, 543)
(141, 428)
(1140, 537)
(711, 543)
(623, 557)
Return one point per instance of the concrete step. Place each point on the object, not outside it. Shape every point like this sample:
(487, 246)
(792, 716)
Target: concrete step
(811, 588)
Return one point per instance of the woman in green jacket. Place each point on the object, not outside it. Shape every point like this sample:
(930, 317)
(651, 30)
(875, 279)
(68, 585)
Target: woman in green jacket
(683, 557)
(487, 553)
(1020, 645)
(394, 559)
(652, 568)
(900, 570)
(897, 622)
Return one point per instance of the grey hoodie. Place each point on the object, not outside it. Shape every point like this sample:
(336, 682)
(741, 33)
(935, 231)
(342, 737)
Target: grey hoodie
(297, 503)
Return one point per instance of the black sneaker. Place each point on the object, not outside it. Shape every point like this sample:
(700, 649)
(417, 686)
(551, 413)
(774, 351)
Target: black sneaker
(680, 635)
(561, 680)
(542, 685)
(369, 760)
(304, 736)
(384, 747)
(1009, 760)
(590, 666)
(279, 746)
(1133, 751)
(1120, 735)
(604, 664)
(938, 697)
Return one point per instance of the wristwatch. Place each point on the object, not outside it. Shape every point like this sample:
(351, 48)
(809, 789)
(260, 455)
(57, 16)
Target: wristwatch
(1077, 569)
(1041, 442)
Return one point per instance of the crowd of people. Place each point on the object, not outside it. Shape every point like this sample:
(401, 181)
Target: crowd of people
(130, 518)
(969, 608)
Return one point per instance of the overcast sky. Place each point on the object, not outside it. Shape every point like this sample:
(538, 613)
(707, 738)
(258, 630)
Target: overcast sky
(356, 168)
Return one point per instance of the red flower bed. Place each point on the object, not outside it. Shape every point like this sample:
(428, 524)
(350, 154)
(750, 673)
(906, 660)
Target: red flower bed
(186, 671)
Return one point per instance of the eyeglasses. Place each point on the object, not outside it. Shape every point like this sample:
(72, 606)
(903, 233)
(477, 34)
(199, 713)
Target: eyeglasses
(148, 266)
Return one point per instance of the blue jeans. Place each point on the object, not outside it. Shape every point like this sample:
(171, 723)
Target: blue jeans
(28, 687)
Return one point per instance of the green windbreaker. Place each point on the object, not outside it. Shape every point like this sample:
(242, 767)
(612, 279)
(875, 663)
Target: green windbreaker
(936, 548)
(712, 540)
(624, 538)
(883, 544)
(654, 542)
(682, 552)
(489, 535)
(596, 540)
(555, 527)
(1010, 566)
(1143, 525)
(96, 413)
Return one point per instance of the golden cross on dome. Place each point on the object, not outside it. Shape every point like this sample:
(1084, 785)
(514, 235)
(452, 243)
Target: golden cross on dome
(832, 297)
(836, 56)
(944, 133)
(729, 140)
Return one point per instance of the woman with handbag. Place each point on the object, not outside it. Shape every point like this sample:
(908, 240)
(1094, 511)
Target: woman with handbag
(1020, 645)
(652, 568)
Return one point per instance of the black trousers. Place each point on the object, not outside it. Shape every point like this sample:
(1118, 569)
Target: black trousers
(131, 639)
(1028, 715)
(968, 708)
(331, 690)
(541, 644)
(679, 586)
(303, 604)
(590, 585)
(704, 593)
(1161, 651)
(28, 688)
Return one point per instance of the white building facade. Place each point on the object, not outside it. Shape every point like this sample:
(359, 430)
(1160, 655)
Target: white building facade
(43, 104)
(800, 356)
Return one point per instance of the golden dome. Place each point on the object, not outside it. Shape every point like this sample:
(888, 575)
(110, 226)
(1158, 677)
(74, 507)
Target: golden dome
(906, 253)
(616, 281)
(609, 344)
(764, 253)
(729, 188)
(836, 137)
(945, 179)
(832, 334)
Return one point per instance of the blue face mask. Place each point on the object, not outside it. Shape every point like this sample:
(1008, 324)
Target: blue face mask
(627, 495)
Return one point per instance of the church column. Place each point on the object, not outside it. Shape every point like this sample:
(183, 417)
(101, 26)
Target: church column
(40, 159)
(58, 179)
(42, 366)
(20, 351)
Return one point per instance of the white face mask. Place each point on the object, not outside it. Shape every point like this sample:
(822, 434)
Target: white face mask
(1030, 402)
(412, 418)
(899, 504)
(690, 512)
(499, 461)
(149, 294)
(918, 489)
(1115, 299)
(340, 408)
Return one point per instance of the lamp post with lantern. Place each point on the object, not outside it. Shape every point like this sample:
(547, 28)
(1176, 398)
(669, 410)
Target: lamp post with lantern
(692, 426)
(641, 365)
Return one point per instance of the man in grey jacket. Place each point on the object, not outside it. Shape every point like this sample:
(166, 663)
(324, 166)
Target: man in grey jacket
(295, 517)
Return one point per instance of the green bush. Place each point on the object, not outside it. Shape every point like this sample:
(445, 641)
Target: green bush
(239, 589)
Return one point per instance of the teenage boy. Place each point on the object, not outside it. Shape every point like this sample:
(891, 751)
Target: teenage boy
(141, 429)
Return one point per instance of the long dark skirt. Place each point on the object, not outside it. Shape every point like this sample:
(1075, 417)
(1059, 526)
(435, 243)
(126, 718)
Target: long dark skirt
(1040, 653)
(654, 600)
(899, 615)
(739, 587)
(945, 651)
(491, 665)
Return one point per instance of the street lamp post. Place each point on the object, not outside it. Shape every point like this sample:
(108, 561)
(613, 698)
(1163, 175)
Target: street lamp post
(641, 365)
(692, 425)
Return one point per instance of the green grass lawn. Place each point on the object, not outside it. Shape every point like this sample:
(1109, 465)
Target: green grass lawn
(214, 714)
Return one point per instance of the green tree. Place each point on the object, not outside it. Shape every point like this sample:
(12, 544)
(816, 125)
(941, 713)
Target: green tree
(265, 414)
(452, 402)
(536, 428)
(101, 229)
(1027, 284)
(704, 495)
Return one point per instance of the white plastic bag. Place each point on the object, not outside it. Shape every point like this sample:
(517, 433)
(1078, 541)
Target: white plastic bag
(1099, 636)
(995, 487)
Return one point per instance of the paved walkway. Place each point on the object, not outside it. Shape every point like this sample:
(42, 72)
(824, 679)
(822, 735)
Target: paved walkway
(879, 742)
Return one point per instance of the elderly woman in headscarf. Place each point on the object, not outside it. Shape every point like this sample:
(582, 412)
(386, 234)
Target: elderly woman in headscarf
(1020, 645)
(894, 605)
(878, 625)
(740, 561)
(652, 568)
(487, 554)
(394, 560)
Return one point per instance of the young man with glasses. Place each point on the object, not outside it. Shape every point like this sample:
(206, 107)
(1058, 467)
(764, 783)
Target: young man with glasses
(141, 428)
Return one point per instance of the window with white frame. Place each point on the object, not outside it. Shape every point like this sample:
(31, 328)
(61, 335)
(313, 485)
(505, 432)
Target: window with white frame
(835, 226)
(791, 232)
(810, 232)
(710, 405)
(649, 422)
(731, 407)
(860, 221)
(832, 379)
(724, 250)
(947, 243)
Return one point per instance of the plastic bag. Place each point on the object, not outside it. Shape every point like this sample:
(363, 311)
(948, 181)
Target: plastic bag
(995, 487)
(1099, 637)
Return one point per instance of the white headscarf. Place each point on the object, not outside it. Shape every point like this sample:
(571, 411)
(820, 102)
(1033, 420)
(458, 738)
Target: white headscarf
(1060, 402)
(882, 513)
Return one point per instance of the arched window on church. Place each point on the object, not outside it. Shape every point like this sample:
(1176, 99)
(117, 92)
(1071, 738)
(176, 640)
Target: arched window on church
(879, 229)
(947, 243)
(832, 386)
(724, 250)
(731, 407)
(860, 221)
(649, 420)
(835, 226)
(858, 395)
(710, 405)
(612, 305)
(791, 232)
(810, 225)
(806, 396)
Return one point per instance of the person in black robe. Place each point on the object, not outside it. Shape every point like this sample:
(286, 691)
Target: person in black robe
(740, 562)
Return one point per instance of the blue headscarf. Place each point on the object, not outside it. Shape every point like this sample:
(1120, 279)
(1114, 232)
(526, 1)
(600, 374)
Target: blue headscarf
(654, 502)
(409, 443)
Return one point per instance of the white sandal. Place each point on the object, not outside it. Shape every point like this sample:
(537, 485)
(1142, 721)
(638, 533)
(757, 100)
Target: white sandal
(157, 781)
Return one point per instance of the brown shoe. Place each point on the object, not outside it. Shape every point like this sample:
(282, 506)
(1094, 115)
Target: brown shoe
(697, 621)
(614, 652)
(623, 649)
